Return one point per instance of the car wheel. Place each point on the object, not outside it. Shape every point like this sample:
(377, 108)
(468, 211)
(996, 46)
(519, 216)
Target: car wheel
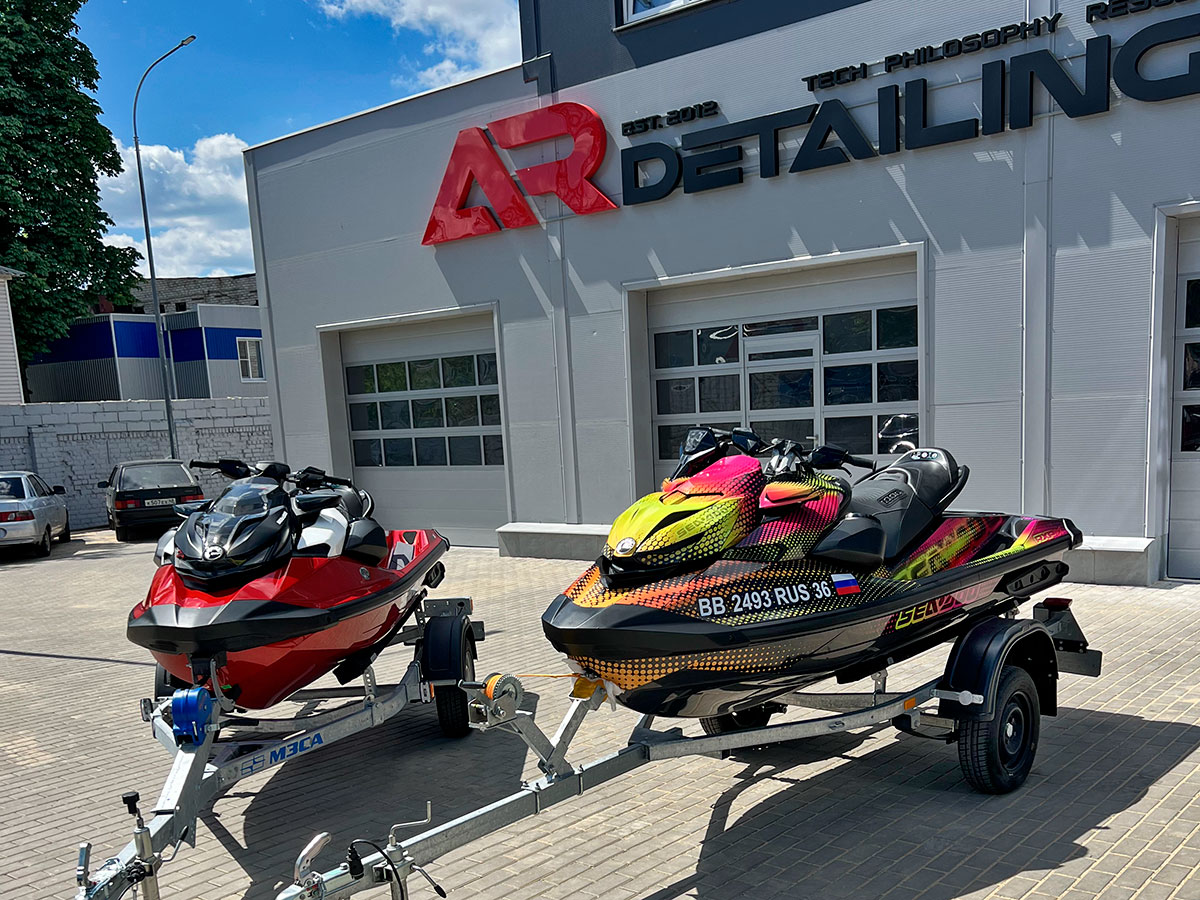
(42, 547)
(122, 533)
(65, 537)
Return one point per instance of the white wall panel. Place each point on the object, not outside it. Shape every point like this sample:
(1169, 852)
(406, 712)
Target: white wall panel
(1102, 323)
(1098, 463)
(977, 331)
(987, 438)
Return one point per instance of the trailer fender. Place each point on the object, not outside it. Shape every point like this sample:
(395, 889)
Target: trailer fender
(445, 640)
(980, 655)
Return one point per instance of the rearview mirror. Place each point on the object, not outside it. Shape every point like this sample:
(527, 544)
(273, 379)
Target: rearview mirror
(101, 484)
(183, 510)
(311, 503)
(59, 489)
(747, 441)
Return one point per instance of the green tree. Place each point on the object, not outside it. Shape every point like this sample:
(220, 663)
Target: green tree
(52, 151)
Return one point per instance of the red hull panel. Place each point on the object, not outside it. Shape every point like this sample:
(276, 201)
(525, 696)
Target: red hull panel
(269, 674)
(264, 675)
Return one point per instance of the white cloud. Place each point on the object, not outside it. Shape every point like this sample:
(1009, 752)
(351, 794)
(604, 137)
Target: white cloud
(465, 37)
(197, 202)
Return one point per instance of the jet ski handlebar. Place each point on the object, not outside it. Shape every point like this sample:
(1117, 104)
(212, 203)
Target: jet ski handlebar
(787, 456)
(308, 478)
(311, 477)
(230, 468)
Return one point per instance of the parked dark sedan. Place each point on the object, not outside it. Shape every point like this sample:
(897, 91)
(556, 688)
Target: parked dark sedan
(142, 493)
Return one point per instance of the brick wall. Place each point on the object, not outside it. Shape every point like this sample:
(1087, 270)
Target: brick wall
(77, 444)
(237, 290)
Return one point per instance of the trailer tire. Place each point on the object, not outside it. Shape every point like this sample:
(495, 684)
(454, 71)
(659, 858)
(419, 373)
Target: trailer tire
(996, 755)
(452, 701)
(742, 720)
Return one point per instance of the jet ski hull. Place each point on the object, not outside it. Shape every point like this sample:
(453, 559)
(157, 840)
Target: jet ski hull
(739, 632)
(285, 629)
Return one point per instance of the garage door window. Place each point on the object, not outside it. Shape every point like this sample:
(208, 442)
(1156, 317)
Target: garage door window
(442, 411)
(849, 377)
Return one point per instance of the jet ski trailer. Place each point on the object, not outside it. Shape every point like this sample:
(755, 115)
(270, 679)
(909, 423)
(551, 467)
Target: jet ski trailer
(1000, 677)
(216, 745)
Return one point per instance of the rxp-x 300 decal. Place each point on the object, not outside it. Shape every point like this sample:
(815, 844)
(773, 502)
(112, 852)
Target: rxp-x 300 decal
(474, 159)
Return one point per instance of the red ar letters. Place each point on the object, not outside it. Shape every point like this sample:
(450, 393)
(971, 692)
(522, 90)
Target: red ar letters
(473, 159)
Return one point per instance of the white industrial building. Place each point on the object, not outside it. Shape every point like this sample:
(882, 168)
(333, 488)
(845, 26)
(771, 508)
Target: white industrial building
(970, 225)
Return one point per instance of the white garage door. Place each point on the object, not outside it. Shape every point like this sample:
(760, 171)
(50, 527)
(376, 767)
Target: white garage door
(1183, 529)
(832, 358)
(425, 429)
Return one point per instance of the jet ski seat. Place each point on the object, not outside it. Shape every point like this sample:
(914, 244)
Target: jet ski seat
(909, 494)
(354, 504)
(366, 541)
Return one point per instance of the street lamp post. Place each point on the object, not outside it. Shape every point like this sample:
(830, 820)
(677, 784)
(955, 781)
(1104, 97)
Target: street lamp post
(167, 376)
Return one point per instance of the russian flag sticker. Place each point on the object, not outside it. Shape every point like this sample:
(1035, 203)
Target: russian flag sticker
(846, 584)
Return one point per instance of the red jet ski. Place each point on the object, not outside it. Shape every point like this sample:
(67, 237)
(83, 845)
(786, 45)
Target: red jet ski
(278, 581)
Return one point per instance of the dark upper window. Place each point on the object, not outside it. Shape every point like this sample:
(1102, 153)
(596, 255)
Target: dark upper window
(641, 9)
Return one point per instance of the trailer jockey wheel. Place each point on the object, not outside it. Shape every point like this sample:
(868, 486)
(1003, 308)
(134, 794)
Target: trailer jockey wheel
(452, 701)
(996, 756)
(743, 720)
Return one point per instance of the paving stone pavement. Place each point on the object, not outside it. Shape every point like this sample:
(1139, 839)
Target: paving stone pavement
(1111, 809)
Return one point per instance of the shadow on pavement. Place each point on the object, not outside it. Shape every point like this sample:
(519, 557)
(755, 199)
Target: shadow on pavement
(98, 659)
(362, 786)
(923, 827)
(75, 549)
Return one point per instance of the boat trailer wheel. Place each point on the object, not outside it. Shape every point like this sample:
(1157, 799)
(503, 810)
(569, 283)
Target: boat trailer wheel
(997, 755)
(453, 715)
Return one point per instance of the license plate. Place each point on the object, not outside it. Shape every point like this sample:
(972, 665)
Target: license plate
(161, 501)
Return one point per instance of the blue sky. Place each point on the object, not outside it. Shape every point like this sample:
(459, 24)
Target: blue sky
(259, 69)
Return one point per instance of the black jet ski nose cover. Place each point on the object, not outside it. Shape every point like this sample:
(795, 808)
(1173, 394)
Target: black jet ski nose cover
(249, 528)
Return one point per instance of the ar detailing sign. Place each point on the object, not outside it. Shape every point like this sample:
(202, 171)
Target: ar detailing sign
(474, 159)
(709, 158)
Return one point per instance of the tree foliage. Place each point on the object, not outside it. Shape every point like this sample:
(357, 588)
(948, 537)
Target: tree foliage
(52, 151)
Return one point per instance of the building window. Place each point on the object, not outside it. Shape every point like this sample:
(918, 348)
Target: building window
(848, 376)
(641, 9)
(439, 411)
(250, 358)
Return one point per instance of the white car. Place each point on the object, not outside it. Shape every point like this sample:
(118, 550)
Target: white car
(31, 513)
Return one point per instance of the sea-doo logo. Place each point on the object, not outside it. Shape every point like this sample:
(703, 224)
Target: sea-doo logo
(923, 611)
(475, 161)
(625, 546)
(211, 553)
(891, 497)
